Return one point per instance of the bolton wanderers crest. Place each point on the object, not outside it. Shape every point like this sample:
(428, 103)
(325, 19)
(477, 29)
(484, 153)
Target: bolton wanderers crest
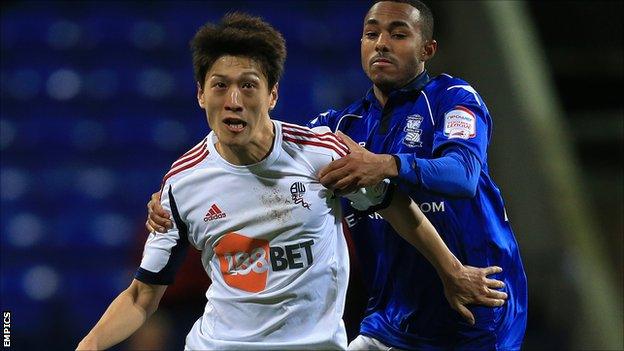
(297, 190)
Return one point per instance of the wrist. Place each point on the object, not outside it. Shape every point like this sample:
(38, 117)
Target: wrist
(391, 166)
(450, 270)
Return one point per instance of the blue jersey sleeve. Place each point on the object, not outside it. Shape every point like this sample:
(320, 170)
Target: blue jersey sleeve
(462, 119)
(454, 174)
(327, 118)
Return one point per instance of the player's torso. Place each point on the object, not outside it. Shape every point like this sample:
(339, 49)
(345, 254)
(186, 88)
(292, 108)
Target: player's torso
(280, 210)
(272, 245)
(392, 314)
(400, 129)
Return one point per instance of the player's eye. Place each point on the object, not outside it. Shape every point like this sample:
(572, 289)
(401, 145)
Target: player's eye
(219, 85)
(399, 35)
(371, 35)
(248, 85)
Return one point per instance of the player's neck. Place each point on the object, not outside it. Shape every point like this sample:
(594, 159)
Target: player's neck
(382, 91)
(253, 152)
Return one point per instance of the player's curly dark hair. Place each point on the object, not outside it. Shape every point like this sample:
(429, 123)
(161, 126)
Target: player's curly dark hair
(239, 34)
(426, 16)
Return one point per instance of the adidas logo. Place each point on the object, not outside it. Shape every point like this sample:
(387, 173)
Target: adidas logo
(214, 213)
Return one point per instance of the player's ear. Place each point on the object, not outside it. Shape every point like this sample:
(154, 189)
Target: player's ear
(273, 96)
(429, 50)
(200, 96)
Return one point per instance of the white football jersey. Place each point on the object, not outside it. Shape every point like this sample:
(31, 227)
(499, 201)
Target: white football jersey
(271, 241)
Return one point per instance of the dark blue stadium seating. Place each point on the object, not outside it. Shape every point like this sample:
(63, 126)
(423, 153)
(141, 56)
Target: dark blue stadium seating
(98, 99)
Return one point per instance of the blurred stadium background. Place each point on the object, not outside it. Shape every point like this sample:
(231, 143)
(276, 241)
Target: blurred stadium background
(97, 100)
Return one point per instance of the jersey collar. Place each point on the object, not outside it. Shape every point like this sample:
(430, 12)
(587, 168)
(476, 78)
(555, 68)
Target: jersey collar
(412, 88)
(265, 163)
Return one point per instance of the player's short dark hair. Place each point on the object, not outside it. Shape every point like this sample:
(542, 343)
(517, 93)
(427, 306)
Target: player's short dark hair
(426, 16)
(239, 34)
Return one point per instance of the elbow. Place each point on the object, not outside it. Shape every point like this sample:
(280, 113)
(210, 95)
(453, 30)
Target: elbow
(146, 297)
(466, 189)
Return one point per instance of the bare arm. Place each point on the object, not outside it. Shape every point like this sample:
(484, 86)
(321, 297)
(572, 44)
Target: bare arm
(124, 316)
(463, 285)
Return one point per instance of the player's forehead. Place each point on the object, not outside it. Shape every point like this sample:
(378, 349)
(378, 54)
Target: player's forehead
(389, 13)
(234, 67)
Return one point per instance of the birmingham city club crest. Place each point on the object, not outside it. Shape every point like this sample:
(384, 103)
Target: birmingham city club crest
(412, 128)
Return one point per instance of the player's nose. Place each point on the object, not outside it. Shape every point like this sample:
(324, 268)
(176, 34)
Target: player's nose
(382, 44)
(233, 100)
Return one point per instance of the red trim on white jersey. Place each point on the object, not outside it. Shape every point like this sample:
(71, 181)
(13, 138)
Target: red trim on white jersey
(188, 160)
(306, 136)
(190, 154)
(305, 131)
(196, 147)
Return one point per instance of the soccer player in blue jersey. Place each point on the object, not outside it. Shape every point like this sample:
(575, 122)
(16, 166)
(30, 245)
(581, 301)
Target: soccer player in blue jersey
(430, 137)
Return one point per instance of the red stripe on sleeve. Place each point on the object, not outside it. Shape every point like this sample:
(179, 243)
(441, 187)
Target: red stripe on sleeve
(316, 143)
(186, 166)
(190, 156)
(328, 137)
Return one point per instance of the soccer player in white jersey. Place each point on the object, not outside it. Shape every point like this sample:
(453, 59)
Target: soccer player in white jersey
(270, 234)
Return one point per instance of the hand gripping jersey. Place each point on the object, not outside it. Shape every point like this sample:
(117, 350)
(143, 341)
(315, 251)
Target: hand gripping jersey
(271, 241)
(407, 308)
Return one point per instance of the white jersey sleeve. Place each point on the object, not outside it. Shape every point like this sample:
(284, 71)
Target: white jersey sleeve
(164, 253)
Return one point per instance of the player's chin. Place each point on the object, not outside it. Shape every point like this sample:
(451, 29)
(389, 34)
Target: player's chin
(230, 139)
(383, 79)
(235, 141)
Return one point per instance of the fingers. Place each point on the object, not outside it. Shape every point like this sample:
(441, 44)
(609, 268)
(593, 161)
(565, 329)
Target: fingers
(159, 223)
(493, 283)
(495, 294)
(331, 179)
(334, 165)
(492, 270)
(348, 141)
(154, 227)
(148, 226)
(159, 215)
(346, 185)
(465, 313)
(491, 302)
(156, 196)
(491, 298)
(154, 206)
(158, 218)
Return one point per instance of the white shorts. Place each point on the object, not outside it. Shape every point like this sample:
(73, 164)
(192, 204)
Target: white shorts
(363, 342)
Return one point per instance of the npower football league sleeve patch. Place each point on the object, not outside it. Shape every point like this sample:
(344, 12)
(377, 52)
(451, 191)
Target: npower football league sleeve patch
(460, 123)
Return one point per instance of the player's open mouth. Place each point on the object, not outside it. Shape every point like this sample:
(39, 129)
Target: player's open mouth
(235, 125)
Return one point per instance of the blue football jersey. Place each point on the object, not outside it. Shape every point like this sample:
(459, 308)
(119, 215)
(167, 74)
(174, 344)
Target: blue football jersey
(406, 307)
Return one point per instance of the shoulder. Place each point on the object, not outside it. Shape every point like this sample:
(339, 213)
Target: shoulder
(332, 118)
(186, 163)
(445, 82)
(313, 141)
(446, 89)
